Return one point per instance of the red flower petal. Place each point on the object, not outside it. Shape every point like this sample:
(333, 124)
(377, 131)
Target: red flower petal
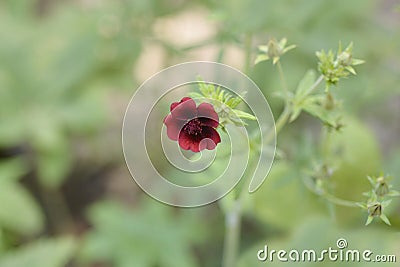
(207, 115)
(210, 138)
(184, 110)
(175, 104)
(173, 127)
(207, 140)
(189, 142)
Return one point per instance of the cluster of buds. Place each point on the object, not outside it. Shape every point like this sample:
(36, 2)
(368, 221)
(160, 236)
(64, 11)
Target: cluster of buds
(379, 198)
(335, 67)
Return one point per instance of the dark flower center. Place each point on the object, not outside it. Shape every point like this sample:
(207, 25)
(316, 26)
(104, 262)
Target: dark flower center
(193, 127)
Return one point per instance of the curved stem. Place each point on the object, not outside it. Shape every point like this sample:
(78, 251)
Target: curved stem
(338, 201)
(331, 198)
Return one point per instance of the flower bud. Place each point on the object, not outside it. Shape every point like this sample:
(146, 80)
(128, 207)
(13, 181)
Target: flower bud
(375, 209)
(382, 188)
(345, 59)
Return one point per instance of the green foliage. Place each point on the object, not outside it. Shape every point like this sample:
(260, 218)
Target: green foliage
(146, 237)
(16, 200)
(321, 106)
(224, 104)
(53, 81)
(63, 63)
(333, 69)
(41, 253)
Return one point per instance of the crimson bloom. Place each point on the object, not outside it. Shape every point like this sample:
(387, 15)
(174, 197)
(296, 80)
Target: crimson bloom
(193, 127)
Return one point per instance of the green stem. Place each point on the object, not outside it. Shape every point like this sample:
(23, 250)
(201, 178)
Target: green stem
(234, 215)
(315, 85)
(248, 46)
(280, 123)
(331, 198)
(283, 81)
(338, 201)
(232, 234)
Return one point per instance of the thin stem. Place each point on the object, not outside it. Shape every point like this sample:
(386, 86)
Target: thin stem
(232, 234)
(315, 85)
(331, 198)
(234, 216)
(283, 81)
(338, 201)
(280, 123)
(247, 46)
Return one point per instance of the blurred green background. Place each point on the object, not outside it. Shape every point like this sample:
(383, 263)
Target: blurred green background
(67, 72)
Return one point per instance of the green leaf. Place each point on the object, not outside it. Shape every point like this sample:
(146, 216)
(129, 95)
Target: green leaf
(244, 115)
(41, 253)
(314, 108)
(304, 85)
(393, 193)
(128, 238)
(362, 205)
(295, 113)
(386, 203)
(260, 58)
(12, 169)
(369, 220)
(233, 102)
(371, 181)
(302, 91)
(385, 219)
(19, 211)
(195, 95)
(355, 62)
(53, 166)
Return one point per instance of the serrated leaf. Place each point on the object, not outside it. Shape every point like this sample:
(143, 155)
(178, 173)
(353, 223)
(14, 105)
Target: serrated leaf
(233, 102)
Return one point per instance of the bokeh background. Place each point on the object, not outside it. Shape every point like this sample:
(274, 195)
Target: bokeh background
(67, 72)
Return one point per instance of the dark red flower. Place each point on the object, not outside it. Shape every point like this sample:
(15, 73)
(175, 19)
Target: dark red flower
(193, 127)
